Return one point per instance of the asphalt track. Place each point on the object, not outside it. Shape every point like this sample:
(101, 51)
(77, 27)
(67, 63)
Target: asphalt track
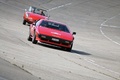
(96, 50)
(10, 71)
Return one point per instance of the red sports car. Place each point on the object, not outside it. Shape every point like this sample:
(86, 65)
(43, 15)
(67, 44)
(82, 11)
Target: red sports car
(33, 14)
(51, 32)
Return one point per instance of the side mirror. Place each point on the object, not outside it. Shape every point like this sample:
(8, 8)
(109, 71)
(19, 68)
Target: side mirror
(74, 33)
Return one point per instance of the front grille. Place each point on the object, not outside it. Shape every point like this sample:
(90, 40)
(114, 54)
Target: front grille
(54, 40)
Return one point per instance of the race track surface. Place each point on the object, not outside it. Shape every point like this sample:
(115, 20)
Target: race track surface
(96, 51)
(10, 71)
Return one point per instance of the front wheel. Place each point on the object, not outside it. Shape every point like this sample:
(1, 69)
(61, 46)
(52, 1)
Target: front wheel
(69, 49)
(24, 22)
(29, 37)
(34, 41)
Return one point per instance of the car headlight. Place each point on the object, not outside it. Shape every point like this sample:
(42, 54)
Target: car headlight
(67, 42)
(27, 15)
(42, 36)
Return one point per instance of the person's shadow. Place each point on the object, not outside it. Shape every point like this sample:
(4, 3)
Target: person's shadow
(58, 48)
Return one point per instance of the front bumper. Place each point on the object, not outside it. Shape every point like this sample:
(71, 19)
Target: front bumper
(29, 20)
(54, 41)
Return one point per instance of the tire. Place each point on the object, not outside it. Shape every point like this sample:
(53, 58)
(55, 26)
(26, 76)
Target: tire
(29, 38)
(34, 41)
(24, 22)
(69, 49)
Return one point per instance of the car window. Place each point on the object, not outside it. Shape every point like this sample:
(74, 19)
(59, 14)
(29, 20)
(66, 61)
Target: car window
(37, 11)
(44, 12)
(54, 25)
(31, 9)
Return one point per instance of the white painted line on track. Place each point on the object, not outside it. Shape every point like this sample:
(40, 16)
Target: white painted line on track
(103, 24)
(59, 6)
(110, 26)
(108, 37)
(93, 62)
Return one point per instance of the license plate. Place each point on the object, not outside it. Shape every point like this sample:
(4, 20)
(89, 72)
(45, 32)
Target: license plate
(54, 39)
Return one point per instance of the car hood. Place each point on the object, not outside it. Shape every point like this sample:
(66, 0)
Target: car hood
(55, 33)
(36, 16)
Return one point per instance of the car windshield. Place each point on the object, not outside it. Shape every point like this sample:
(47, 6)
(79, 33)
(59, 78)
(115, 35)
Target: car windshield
(54, 25)
(38, 11)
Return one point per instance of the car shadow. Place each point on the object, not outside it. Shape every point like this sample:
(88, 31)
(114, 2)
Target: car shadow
(58, 48)
(79, 52)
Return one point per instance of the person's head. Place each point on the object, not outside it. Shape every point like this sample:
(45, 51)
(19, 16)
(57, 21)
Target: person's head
(41, 11)
(32, 10)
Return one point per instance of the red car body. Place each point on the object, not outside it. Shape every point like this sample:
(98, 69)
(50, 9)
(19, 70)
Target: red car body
(33, 14)
(32, 17)
(51, 32)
